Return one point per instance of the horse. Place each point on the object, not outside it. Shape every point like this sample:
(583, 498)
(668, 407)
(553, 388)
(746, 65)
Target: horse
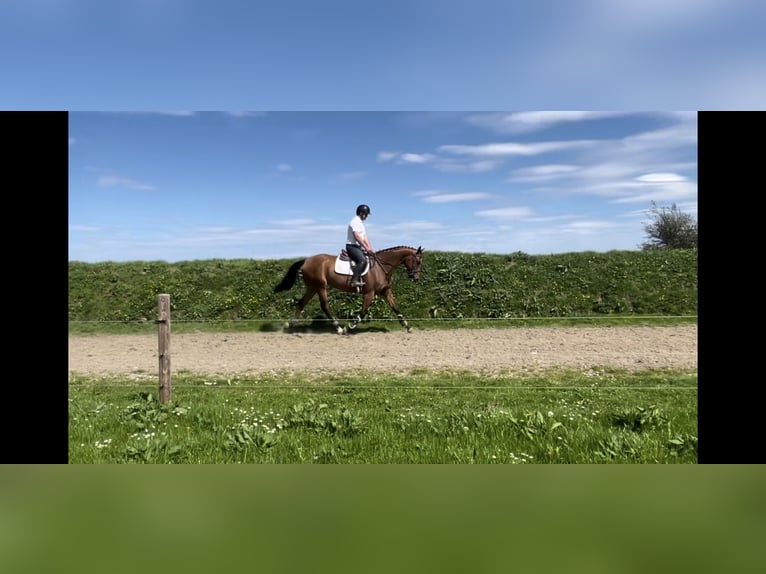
(324, 270)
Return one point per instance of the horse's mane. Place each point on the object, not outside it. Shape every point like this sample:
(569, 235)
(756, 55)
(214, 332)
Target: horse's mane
(394, 248)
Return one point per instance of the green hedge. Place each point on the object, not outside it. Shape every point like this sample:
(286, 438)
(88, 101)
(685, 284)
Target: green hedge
(453, 284)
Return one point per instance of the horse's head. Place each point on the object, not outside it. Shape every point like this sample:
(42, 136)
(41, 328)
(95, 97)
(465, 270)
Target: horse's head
(413, 262)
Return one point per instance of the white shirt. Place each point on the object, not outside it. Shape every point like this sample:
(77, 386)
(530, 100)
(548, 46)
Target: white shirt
(357, 225)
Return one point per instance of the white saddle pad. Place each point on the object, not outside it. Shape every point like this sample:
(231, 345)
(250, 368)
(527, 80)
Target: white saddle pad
(343, 266)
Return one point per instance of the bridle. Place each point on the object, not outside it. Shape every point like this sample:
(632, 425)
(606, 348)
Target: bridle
(410, 272)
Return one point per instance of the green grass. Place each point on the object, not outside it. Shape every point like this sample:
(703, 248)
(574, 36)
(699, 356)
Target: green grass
(446, 417)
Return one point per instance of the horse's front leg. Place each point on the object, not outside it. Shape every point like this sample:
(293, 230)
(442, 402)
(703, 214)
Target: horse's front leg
(326, 308)
(366, 303)
(399, 315)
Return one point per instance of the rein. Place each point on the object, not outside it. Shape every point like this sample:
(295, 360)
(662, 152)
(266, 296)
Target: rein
(374, 257)
(391, 267)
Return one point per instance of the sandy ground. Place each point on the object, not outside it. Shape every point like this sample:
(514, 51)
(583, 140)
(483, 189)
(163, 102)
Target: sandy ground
(514, 349)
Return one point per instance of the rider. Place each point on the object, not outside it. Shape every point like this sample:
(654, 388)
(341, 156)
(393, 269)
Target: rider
(357, 243)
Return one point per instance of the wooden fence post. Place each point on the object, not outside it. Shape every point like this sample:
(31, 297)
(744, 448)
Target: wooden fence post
(166, 388)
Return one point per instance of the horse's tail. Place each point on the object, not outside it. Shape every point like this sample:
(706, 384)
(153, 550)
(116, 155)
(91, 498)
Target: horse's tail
(289, 279)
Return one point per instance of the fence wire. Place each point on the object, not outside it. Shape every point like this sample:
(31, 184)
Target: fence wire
(392, 319)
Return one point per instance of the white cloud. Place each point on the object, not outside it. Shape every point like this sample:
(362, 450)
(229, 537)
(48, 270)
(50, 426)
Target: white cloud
(660, 177)
(455, 197)
(657, 187)
(505, 213)
(294, 222)
(384, 156)
(661, 194)
(648, 166)
(116, 181)
(542, 172)
(451, 165)
(524, 122)
(417, 158)
(466, 167)
(550, 218)
(587, 226)
(284, 168)
(682, 134)
(511, 148)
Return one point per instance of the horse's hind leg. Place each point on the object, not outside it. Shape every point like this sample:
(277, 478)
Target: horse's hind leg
(322, 292)
(301, 306)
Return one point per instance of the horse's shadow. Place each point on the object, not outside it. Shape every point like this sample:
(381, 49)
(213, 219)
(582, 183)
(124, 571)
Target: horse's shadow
(322, 325)
(368, 329)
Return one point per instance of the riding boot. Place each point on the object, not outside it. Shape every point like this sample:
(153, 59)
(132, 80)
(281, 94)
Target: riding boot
(356, 279)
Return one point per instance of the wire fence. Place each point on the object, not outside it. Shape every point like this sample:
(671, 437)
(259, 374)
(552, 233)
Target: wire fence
(392, 319)
(313, 387)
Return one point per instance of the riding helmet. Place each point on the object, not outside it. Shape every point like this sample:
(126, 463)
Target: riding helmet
(363, 209)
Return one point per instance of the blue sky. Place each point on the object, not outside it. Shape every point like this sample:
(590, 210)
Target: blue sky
(271, 185)
(175, 56)
(394, 55)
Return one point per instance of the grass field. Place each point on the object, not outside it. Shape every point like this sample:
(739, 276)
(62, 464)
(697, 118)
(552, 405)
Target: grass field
(562, 416)
(599, 416)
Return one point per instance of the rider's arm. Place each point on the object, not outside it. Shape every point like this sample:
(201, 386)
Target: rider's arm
(363, 241)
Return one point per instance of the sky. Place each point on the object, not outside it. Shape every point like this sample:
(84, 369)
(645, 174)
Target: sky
(182, 186)
(172, 60)
(351, 55)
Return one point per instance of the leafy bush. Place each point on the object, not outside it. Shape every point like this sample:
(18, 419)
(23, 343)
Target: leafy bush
(452, 285)
(670, 228)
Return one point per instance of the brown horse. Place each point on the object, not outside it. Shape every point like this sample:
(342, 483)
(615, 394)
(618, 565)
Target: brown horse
(319, 273)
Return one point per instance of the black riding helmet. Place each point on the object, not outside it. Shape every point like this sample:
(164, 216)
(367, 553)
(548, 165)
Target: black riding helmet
(363, 209)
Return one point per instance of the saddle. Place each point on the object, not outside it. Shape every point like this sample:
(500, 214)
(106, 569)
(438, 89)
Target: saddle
(343, 264)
